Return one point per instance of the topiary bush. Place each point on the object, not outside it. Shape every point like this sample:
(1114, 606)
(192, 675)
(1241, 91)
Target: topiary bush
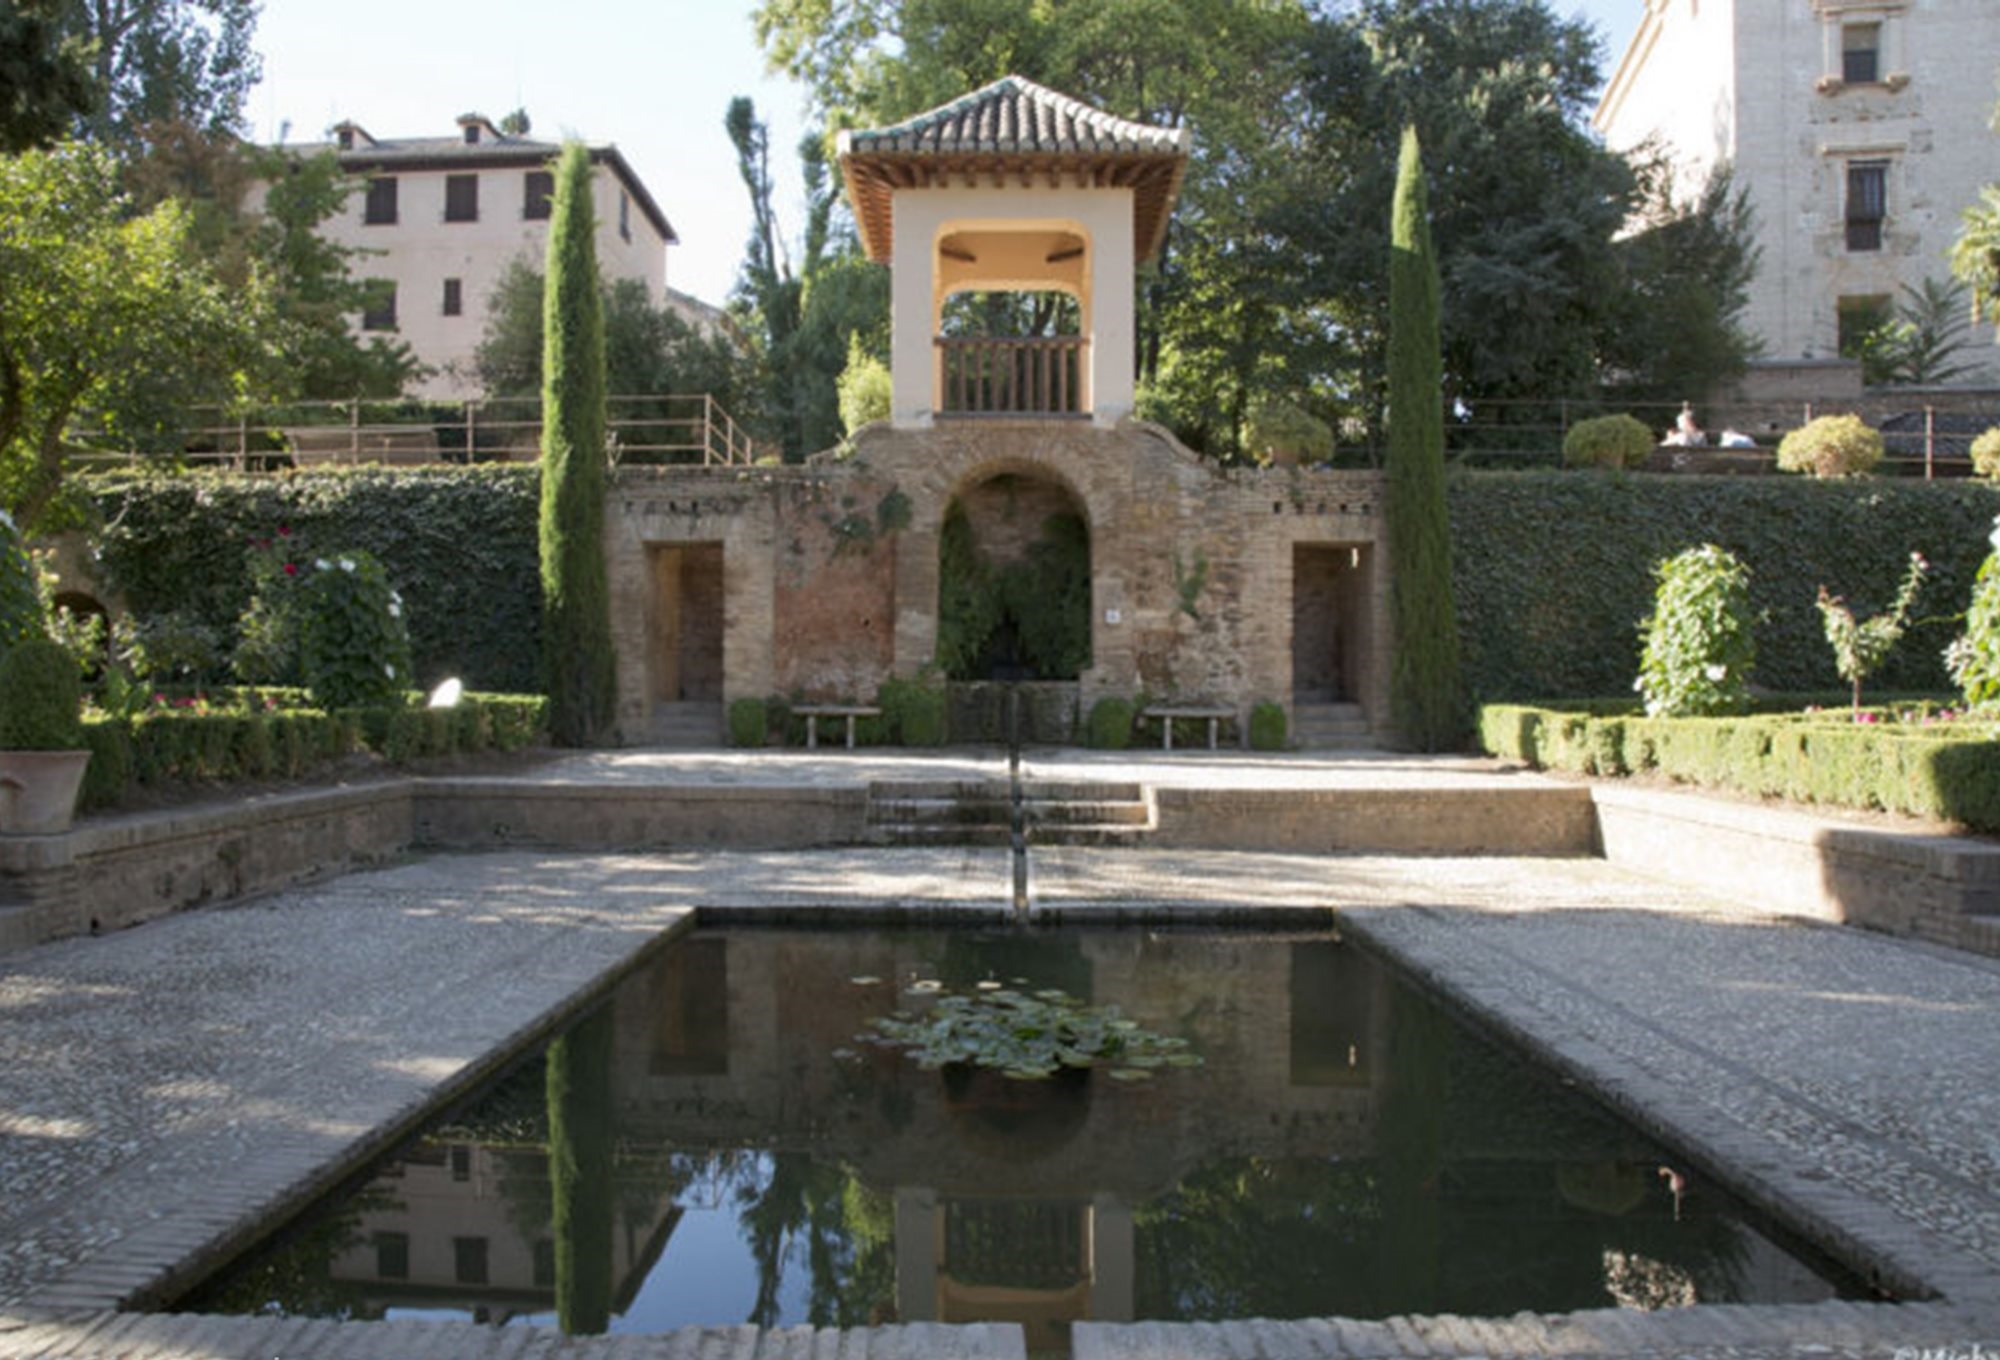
(913, 712)
(41, 698)
(20, 603)
(1699, 642)
(1986, 453)
(1618, 441)
(1110, 724)
(1831, 446)
(353, 645)
(1267, 727)
(749, 722)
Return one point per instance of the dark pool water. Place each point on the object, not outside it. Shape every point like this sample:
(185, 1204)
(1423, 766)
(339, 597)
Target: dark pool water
(1347, 1148)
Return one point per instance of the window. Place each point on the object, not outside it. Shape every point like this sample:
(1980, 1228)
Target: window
(1867, 203)
(392, 1256)
(378, 310)
(461, 1163)
(454, 298)
(472, 134)
(381, 208)
(625, 214)
(1860, 317)
(545, 1264)
(1861, 53)
(469, 1260)
(461, 198)
(538, 193)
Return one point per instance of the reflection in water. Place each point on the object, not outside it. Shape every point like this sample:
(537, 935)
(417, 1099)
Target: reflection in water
(694, 1153)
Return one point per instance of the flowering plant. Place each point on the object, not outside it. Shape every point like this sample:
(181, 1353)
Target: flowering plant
(353, 643)
(267, 646)
(1974, 657)
(1861, 645)
(1698, 645)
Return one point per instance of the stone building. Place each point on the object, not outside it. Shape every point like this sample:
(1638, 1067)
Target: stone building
(1860, 129)
(1197, 584)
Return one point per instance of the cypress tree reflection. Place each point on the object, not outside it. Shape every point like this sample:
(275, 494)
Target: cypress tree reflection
(579, 1092)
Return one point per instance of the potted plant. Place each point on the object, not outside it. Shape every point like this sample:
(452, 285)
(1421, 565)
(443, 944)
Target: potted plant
(42, 755)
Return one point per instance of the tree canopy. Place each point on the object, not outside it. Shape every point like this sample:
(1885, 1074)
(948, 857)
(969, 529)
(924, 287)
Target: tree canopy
(105, 309)
(45, 76)
(156, 61)
(1266, 288)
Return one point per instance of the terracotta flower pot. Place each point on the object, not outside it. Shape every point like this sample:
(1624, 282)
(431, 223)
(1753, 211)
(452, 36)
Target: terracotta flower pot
(38, 790)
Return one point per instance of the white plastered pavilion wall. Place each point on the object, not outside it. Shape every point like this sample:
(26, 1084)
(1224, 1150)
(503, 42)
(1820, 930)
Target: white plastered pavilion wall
(1012, 223)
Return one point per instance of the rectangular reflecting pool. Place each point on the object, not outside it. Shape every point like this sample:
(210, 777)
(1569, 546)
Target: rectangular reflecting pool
(1282, 1128)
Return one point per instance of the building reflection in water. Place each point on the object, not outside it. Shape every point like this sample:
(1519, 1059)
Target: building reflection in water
(1346, 1149)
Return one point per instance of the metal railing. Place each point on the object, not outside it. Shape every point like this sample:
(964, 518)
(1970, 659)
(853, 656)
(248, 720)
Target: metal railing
(1011, 376)
(692, 429)
(1925, 434)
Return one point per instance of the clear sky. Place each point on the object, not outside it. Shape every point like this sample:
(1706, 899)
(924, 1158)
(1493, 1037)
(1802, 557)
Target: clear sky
(654, 76)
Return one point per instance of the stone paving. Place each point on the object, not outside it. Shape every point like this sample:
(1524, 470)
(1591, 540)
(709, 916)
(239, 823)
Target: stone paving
(163, 1088)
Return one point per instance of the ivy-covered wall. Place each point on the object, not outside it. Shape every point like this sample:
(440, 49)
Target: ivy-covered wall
(458, 542)
(1554, 570)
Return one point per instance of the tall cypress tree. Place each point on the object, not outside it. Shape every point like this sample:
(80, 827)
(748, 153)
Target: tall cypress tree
(1425, 691)
(577, 660)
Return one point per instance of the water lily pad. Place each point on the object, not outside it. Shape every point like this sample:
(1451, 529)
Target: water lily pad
(1129, 1074)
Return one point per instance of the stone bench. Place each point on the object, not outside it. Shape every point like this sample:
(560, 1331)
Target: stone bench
(1167, 714)
(394, 444)
(812, 713)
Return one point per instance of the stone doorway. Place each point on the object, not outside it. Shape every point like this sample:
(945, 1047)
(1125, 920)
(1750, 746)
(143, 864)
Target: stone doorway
(1330, 623)
(687, 624)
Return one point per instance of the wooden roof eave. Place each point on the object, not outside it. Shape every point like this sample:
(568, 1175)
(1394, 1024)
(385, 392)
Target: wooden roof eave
(874, 176)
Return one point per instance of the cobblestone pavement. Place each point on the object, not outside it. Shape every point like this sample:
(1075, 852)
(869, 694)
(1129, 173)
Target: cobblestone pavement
(161, 1088)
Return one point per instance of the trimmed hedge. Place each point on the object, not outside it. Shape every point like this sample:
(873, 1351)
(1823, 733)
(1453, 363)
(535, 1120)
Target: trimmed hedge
(1945, 771)
(1553, 572)
(458, 542)
(170, 746)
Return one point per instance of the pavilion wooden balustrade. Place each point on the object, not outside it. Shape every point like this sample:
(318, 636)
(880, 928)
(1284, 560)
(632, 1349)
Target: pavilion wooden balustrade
(1013, 376)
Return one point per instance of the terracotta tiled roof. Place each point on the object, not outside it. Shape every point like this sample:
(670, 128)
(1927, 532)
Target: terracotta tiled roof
(1015, 115)
(1014, 127)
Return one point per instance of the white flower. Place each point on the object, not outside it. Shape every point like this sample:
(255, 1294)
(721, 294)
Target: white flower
(395, 611)
(321, 564)
(1638, 682)
(1994, 537)
(389, 671)
(347, 564)
(8, 520)
(1715, 672)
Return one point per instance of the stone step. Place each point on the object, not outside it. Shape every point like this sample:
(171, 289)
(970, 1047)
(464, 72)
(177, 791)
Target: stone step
(1331, 727)
(939, 833)
(685, 725)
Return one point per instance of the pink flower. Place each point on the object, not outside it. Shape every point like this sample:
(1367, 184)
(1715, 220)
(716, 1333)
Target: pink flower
(291, 569)
(284, 531)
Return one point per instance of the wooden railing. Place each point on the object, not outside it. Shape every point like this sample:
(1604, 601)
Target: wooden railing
(1009, 377)
(682, 429)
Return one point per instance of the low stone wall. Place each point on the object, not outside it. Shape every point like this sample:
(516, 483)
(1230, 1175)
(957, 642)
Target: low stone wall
(117, 872)
(1945, 889)
(1554, 819)
(488, 814)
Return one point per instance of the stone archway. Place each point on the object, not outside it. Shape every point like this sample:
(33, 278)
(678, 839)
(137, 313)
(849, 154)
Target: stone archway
(1014, 582)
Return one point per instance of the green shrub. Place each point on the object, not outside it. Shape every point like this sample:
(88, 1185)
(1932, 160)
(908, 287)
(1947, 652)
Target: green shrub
(1949, 771)
(1617, 441)
(353, 645)
(913, 712)
(1698, 644)
(1277, 432)
(1974, 656)
(749, 723)
(1831, 446)
(1986, 453)
(41, 698)
(865, 388)
(1267, 727)
(1110, 724)
(1860, 646)
(21, 615)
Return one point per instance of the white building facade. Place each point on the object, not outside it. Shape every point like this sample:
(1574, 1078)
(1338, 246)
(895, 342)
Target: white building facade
(1860, 129)
(440, 219)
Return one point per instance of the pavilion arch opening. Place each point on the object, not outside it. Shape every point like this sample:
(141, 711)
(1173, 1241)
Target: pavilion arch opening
(1014, 581)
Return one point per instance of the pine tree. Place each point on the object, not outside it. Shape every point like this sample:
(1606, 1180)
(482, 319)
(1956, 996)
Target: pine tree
(577, 660)
(1426, 702)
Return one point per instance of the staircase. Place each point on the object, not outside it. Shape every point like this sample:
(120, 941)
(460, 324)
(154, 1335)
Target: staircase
(686, 725)
(1331, 727)
(920, 812)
